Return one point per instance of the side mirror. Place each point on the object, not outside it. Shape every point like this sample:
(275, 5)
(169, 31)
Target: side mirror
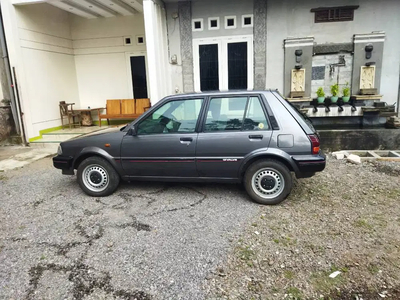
(132, 131)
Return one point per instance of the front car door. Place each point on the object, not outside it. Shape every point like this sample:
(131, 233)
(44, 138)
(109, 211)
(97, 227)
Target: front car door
(165, 141)
(233, 128)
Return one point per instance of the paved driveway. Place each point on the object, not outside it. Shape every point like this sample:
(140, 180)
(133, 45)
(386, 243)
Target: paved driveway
(147, 241)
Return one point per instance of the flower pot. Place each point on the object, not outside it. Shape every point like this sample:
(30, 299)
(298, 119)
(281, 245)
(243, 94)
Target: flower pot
(334, 99)
(346, 99)
(321, 99)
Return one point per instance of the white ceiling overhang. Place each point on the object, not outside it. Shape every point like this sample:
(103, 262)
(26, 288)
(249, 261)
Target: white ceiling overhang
(93, 8)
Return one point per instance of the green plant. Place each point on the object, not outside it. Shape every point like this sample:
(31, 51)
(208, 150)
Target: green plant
(335, 90)
(346, 90)
(320, 92)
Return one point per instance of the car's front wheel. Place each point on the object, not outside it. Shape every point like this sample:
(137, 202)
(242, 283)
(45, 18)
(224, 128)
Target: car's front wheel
(97, 177)
(268, 181)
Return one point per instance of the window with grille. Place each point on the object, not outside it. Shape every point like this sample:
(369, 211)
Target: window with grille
(334, 14)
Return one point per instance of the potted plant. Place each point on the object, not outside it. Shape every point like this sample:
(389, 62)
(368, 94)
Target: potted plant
(346, 93)
(334, 92)
(321, 95)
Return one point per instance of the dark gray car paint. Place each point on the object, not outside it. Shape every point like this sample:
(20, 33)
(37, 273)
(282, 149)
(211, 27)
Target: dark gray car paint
(126, 151)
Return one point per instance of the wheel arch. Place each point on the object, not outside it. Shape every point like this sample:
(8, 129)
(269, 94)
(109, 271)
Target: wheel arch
(92, 151)
(261, 156)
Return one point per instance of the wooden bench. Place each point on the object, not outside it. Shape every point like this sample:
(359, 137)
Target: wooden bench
(125, 109)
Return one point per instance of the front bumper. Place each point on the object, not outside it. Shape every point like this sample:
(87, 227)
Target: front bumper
(308, 165)
(64, 163)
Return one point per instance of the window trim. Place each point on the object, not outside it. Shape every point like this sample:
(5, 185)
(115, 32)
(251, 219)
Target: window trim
(248, 96)
(162, 103)
(319, 9)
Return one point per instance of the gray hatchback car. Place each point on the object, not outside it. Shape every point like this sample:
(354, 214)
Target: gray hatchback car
(250, 137)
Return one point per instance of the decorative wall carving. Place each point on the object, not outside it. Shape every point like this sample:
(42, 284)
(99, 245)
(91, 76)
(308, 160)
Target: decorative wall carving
(367, 77)
(298, 80)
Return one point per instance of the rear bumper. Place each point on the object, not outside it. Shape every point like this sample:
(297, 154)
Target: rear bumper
(64, 163)
(308, 165)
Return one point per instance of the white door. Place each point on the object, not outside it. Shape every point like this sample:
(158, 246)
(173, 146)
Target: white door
(223, 63)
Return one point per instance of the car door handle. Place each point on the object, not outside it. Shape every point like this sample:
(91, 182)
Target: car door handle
(186, 141)
(256, 137)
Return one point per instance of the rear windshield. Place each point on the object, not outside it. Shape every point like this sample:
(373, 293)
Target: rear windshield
(299, 113)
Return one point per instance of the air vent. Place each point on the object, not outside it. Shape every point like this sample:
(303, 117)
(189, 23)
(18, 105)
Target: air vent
(247, 21)
(197, 24)
(127, 40)
(213, 23)
(230, 22)
(140, 40)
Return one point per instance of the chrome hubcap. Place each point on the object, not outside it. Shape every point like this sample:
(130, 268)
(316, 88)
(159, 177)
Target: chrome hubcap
(268, 183)
(95, 178)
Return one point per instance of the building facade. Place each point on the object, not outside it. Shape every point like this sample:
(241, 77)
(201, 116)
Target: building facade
(88, 51)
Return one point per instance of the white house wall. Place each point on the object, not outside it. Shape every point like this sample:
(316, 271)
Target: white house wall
(48, 63)
(290, 18)
(102, 60)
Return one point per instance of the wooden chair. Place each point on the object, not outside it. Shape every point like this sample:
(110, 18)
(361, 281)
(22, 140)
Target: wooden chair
(70, 114)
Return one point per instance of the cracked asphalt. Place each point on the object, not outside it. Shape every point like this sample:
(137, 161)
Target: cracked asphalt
(146, 241)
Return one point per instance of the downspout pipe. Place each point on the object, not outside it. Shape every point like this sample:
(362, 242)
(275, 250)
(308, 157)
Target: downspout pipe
(3, 46)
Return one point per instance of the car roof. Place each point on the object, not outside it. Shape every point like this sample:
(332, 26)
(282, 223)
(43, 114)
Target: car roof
(216, 93)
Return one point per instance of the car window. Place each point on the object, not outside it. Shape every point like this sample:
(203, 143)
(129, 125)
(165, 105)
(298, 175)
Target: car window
(225, 114)
(172, 117)
(255, 117)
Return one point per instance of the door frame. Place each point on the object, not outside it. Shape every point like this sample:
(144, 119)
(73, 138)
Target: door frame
(223, 42)
(128, 56)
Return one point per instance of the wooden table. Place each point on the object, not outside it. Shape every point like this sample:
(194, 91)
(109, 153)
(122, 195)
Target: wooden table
(86, 113)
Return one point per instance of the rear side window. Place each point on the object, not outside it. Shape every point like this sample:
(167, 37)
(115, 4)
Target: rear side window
(235, 113)
(225, 114)
(255, 118)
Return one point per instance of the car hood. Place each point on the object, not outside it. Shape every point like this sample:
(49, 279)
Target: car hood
(100, 132)
(99, 138)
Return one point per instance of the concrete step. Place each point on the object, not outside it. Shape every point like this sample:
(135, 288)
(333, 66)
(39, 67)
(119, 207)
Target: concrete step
(53, 146)
(58, 137)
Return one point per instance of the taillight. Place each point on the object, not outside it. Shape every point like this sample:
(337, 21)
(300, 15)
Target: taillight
(314, 143)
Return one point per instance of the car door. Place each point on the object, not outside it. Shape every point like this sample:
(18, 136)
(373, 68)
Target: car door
(233, 127)
(165, 141)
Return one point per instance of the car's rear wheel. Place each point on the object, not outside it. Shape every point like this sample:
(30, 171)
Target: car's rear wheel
(97, 177)
(268, 181)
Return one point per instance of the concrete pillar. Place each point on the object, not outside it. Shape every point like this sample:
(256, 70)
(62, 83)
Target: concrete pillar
(260, 44)
(376, 39)
(185, 25)
(291, 45)
(157, 50)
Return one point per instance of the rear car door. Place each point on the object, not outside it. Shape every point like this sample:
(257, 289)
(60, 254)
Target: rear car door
(233, 127)
(165, 141)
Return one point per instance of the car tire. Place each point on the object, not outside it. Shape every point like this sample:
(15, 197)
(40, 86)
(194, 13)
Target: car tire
(97, 177)
(268, 181)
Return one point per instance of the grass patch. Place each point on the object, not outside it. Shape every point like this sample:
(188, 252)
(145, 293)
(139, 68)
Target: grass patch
(373, 269)
(361, 223)
(246, 254)
(393, 194)
(288, 274)
(294, 293)
(317, 249)
(324, 284)
(285, 241)
(3, 177)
